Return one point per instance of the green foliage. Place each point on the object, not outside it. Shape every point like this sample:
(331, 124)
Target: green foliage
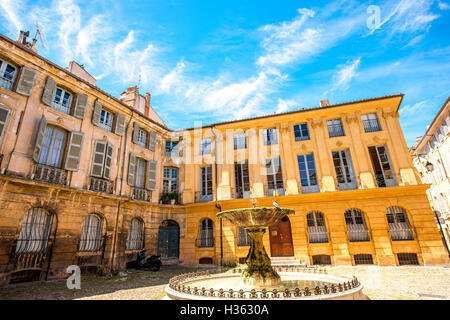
(167, 196)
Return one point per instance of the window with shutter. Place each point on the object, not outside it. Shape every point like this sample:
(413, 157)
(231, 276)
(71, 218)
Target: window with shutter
(26, 81)
(74, 150)
(49, 91)
(39, 138)
(152, 141)
(8, 74)
(80, 106)
(131, 169)
(151, 175)
(120, 125)
(99, 159)
(96, 113)
(135, 132)
(62, 101)
(4, 116)
(108, 158)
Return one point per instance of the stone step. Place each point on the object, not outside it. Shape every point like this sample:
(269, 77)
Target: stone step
(169, 261)
(285, 261)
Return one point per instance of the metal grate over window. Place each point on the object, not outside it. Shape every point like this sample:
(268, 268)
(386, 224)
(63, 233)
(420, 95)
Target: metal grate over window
(363, 258)
(91, 234)
(243, 237)
(135, 235)
(317, 230)
(206, 239)
(407, 259)
(35, 231)
(321, 259)
(398, 224)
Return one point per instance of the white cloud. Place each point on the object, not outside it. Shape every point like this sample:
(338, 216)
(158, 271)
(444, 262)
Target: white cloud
(409, 110)
(11, 11)
(443, 5)
(345, 75)
(285, 105)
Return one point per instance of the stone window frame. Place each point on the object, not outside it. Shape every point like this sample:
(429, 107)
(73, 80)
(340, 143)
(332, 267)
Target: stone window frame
(4, 64)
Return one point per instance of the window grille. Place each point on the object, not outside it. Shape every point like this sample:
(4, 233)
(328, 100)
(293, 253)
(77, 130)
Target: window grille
(35, 231)
(363, 259)
(135, 239)
(407, 259)
(206, 238)
(370, 122)
(398, 224)
(335, 128)
(243, 237)
(321, 259)
(356, 225)
(91, 234)
(317, 230)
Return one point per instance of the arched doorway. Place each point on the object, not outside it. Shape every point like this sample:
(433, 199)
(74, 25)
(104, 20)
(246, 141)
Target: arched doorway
(169, 239)
(281, 239)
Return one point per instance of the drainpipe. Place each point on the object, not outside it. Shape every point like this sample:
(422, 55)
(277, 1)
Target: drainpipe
(217, 204)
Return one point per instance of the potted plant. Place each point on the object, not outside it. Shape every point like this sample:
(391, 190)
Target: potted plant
(169, 197)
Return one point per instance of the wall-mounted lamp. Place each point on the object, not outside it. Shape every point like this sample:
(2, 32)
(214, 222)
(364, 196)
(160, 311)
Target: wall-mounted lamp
(429, 166)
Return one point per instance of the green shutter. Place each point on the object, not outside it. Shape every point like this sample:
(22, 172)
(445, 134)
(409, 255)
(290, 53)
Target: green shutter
(135, 132)
(4, 116)
(151, 175)
(131, 169)
(49, 91)
(152, 141)
(81, 101)
(120, 124)
(108, 159)
(99, 159)
(97, 111)
(39, 138)
(26, 81)
(74, 151)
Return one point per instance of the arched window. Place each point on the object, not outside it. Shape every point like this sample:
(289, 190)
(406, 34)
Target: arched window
(398, 224)
(317, 230)
(206, 236)
(356, 226)
(243, 237)
(135, 240)
(35, 231)
(91, 234)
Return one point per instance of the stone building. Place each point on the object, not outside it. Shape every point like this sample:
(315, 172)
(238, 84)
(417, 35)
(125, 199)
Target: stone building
(431, 157)
(89, 179)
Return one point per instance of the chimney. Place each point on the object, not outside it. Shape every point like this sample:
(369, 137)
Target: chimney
(147, 104)
(324, 103)
(21, 35)
(33, 45)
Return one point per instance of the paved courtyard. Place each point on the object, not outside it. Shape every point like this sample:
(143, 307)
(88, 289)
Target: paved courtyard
(379, 283)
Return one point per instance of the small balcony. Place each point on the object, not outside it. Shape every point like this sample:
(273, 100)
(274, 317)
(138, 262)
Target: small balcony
(358, 235)
(400, 232)
(49, 174)
(61, 107)
(335, 130)
(141, 194)
(371, 125)
(6, 83)
(348, 185)
(317, 235)
(100, 185)
(383, 182)
(310, 189)
(201, 197)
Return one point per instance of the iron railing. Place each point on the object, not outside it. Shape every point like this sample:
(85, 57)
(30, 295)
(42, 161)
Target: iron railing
(400, 232)
(271, 191)
(335, 130)
(315, 235)
(204, 242)
(371, 125)
(6, 83)
(240, 193)
(358, 235)
(91, 243)
(50, 174)
(200, 197)
(348, 186)
(382, 182)
(100, 185)
(61, 107)
(309, 189)
(141, 194)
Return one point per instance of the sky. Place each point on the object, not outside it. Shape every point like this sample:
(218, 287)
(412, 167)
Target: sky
(214, 61)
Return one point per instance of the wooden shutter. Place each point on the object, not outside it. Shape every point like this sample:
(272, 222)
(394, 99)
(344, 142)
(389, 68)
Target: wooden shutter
(152, 141)
(131, 168)
(4, 116)
(26, 81)
(135, 132)
(49, 91)
(97, 111)
(81, 101)
(120, 124)
(99, 159)
(74, 151)
(39, 138)
(108, 159)
(151, 175)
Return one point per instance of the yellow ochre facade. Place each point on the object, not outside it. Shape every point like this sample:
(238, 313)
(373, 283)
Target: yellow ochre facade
(88, 179)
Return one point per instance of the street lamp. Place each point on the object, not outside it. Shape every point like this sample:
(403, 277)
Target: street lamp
(429, 166)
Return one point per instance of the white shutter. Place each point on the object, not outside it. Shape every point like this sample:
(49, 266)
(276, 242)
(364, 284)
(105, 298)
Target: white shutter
(108, 159)
(39, 138)
(74, 150)
(131, 169)
(26, 81)
(49, 91)
(81, 101)
(135, 132)
(99, 159)
(120, 124)
(152, 141)
(151, 175)
(4, 116)
(97, 111)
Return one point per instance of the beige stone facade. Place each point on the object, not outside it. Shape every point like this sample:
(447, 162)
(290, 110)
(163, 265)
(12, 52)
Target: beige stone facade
(84, 177)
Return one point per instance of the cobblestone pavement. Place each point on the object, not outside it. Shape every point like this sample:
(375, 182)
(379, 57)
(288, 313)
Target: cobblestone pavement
(379, 283)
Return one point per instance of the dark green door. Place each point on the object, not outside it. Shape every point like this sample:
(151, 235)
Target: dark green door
(168, 241)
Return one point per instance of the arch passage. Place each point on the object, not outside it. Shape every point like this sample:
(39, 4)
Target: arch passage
(281, 239)
(169, 239)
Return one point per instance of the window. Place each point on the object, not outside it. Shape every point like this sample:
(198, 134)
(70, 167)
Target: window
(35, 231)
(106, 120)
(363, 258)
(8, 73)
(206, 237)
(91, 234)
(370, 122)
(398, 224)
(344, 170)
(135, 240)
(243, 237)
(241, 180)
(240, 141)
(274, 177)
(142, 138)
(52, 148)
(408, 259)
(205, 146)
(321, 259)
(301, 132)
(382, 166)
(170, 180)
(139, 176)
(317, 231)
(335, 128)
(308, 175)
(270, 137)
(206, 187)
(171, 149)
(62, 100)
(356, 226)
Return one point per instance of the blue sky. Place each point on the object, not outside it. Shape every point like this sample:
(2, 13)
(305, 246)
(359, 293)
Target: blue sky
(213, 61)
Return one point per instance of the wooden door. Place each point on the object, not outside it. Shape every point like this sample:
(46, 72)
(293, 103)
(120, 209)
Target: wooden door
(281, 239)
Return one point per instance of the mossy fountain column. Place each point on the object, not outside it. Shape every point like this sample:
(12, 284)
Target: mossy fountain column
(259, 272)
